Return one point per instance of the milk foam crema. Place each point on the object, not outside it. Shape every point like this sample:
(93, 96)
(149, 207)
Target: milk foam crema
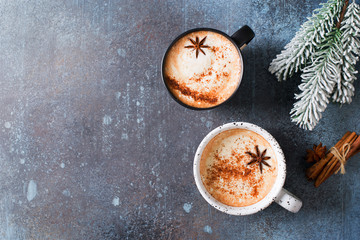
(206, 80)
(226, 174)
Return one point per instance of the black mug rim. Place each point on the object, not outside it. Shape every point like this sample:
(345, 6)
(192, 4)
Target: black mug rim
(196, 30)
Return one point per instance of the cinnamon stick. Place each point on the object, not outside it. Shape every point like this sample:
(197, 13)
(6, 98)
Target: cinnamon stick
(334, 163)
(314, 171)
(351, 141)
(326, 171)
(355, 147)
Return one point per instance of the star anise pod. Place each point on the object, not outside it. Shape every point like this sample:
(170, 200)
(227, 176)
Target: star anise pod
(315, 154)
(198, 45)
(258, 158)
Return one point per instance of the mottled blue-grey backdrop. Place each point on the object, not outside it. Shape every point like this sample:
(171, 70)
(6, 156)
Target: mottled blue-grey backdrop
(93, 147)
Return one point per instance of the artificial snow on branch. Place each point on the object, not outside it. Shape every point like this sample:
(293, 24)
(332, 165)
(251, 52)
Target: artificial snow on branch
(326, 49)
(350, 28)
(318, 81)
(301, 48)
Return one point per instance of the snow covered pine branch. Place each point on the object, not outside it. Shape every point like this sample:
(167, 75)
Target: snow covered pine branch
(325, 49)
(350, 28)
(311, 34)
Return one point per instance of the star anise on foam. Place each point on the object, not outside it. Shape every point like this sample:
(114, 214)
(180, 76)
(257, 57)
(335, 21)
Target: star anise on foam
(315, 154)
(198, 45)
(258, 158)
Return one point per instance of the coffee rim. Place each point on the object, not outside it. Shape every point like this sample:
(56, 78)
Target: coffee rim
(197, 30)
(276, 188)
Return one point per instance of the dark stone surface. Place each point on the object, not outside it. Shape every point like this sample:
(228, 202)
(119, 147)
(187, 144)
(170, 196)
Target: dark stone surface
(93, 147)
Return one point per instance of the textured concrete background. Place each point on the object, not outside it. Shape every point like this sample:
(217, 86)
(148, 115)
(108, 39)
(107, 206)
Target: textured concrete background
(93, 147)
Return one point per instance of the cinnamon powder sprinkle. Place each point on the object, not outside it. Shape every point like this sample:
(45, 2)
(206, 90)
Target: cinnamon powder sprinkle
(197, 96)
(224, 169)
(202, 76)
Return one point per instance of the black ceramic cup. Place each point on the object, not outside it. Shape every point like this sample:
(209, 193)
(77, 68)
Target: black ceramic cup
(240, 39)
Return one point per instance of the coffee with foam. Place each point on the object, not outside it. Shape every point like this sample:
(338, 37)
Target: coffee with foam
(203, 69)
(226, 173)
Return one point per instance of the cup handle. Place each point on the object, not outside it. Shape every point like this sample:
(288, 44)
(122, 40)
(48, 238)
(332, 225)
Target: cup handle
(243, 36)
(288, 201)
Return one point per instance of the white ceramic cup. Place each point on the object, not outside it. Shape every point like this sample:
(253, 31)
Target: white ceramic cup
(277, 193)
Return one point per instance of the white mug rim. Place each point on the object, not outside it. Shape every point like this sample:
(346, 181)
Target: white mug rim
(275, 190)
